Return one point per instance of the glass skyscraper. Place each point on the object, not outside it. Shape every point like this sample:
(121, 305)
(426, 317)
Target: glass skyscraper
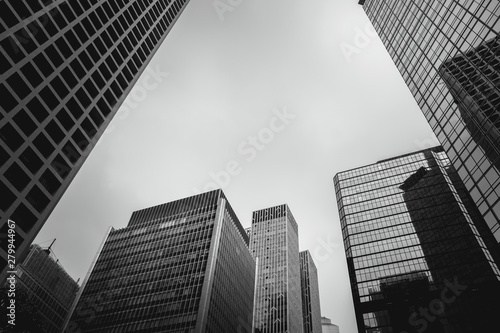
(65, 68)
(449, 56)
(419, 253)
(311, 310)
(183, 266)
(48, 286)
(274, 243)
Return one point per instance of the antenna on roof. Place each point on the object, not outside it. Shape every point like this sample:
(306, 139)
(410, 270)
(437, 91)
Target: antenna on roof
(48, 249)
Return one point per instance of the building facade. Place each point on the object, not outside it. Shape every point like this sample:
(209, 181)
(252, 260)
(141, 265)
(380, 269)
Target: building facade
(65, 68)
(419, 253)
(183, 266)
(274, 243)
(311, 310)
(448, 55)
(328, 327)
(48, 286)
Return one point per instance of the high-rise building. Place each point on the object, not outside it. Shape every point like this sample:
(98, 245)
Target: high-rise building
(449, 56)
(473, 78)
(328, 327)
(65, 68)
(419, 253)
(47, 286)
(274, 242)
(311, 311)
(183, 266)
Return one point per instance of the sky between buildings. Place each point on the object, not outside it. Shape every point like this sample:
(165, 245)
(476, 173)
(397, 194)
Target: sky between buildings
(267, 100)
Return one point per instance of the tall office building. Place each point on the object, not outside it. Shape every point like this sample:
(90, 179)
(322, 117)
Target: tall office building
(448, 53)
(274, 242)
(183, 266)
(311, 311)
(48, 287)
(328, 327)
(419, 253)
(65, 68)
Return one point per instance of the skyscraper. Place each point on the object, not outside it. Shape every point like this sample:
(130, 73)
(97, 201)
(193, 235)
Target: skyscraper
(419, 253)
(48, 286)
(274, 242)
(311, 311)
(448, 54)
(65, 68)
(183, 266)
(328, 327)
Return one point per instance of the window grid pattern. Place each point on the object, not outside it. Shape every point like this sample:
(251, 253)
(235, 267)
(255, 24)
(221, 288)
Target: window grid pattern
(65, 67)
(151, 275)
(274, 241)
(311, 310)
(414, 231)
(427, 39)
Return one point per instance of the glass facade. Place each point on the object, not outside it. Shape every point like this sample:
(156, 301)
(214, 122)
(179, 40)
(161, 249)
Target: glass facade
(48, 286)
(274, 243)
(65, 68)
(448, 54)
(311, 311)
(183, 266)
(419, 253)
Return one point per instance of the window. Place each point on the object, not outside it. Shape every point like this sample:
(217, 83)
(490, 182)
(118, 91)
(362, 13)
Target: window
(50, 182)
(54, 56)
(8, 197)
(43, 145)
(70, 152)
(31, 160)
(69, 78)
(49, 98)
(80, 140)
(63, 47)
(60, 166)
(75, 108)
(78, 68)
(37, 199)
(18, 85)
(10, 136)
(36, 108)
(24, 122)
(59, 87)
(25, 40)
(55, 132)
(65, 119)
(24, 217)
(31, 74)
(17, 177)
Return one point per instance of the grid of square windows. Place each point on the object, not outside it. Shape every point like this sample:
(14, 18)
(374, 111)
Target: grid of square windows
(422, 36)
(65, 66)
(427, 231)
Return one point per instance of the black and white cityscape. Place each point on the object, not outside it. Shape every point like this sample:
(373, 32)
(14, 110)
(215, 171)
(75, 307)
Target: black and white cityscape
(240, 166)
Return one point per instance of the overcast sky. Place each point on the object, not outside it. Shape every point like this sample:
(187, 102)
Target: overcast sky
(272, 98)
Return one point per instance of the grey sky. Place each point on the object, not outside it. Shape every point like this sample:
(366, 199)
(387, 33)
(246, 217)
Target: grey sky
(226, 81)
